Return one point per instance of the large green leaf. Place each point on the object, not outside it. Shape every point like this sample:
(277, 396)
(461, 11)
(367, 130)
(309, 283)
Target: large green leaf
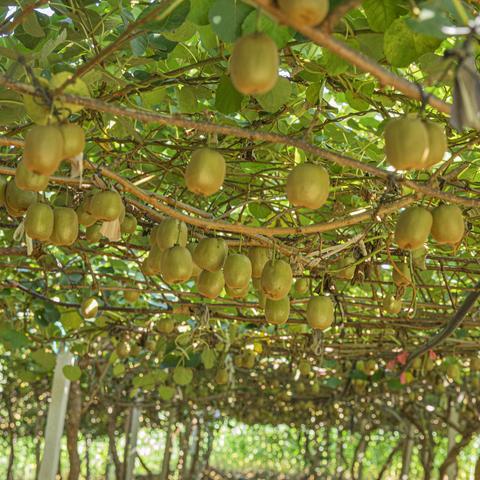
(226, 18)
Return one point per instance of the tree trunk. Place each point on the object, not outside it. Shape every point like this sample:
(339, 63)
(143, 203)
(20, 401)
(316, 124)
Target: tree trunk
(168, 447)
(453, 420)
(11, 438)
(131, 436)
(357, 463)
(87, 457)
(74, 415)
(388, 462)
(407, 453)
(477, 470)
(184, 449)
(195, 454)
(112, 446)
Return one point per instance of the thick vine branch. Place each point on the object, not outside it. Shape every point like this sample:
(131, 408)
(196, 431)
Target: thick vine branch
(10, 24)
(320, 37)
(209, 127)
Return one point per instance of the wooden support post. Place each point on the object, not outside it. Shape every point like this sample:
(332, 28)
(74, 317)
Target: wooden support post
(131, 436)
(55, 418)
(407, 453)
(452, 432)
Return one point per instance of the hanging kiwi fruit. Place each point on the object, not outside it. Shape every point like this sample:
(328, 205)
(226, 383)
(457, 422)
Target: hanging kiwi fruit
(39, 221)
(277, 279)
(129, 224)
(237, 271)
(210, 284)
(413, 228)
(236, 293)
(402, 277)
(254, 64)
(73, 140)
(16, 200)
(106, 205)
(25, 179)
(392, 305)
(176, 265)
(308, 186)
(170, 232)
(65, 226)
(305, 12)
(89, 308)
(205, 173)
(448, 225)
(413, 143)
(210, 254)
(258, 256)
(277, 311)
(93, 233)
(320, 312)
(43, 149)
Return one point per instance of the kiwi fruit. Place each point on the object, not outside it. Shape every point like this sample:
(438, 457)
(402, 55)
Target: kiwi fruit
(237, 271)
(169, 233)
(176, 265)
(89, 308)
(277, 311)
(236, 293)
(36, 108)
(3, 187)
(437, 141)
(308, 186)
(403, 277)
(25, 179)
(301, 286)
(254, 64)
(304, 367)
(448, 225)
(18, 200)
(221, 376)
(166, 325)
(129, 224)
(93, 233)
(196, 269)
(210, 284)
(39, 221)
(205, 172)
(65, 226)
(276, 279)
(78, 87)
(210, 254)
(413, 228)
(153, 262)
(392, 305)
(43, 149)
(131, 296)
(123, 349)
(406, 143)
(84, 217)
(73, 140)
(475, 364)
(320, 312)
(345, 267)
(106, 205)
(258, 256)
(305, 12)
(262, 299)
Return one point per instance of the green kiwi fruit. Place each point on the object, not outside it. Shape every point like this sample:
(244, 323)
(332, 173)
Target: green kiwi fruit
(413, 228)
(205, 172)
(169, 233)
(43, 149)
(258, 256)
(18, 200)
(131, 296)
(25, 179)
(129, 224)
(3, 188)
(237, 271)
(437, 141)
(345, 267)
(210, 284)
(176, 265)
(153, 262)
(320, 312)
(73, 140)
(196, 269)
(392, 305)
(36, 108)
(406, 143)
(277, 311)
(221, 376)
(276, 279)
(236, 293)
(84, 217)
(305, 12)
(308, 186)
(65, 226)
(89, 308)
(106, 205)
(448, 225)
(78, 87)
(254, 64)
(166, 325)
(210, 254)
(301, 286)
(93, 233)
(39, 221)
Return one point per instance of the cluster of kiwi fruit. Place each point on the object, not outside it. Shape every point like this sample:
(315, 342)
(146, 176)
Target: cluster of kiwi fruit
(412, 143)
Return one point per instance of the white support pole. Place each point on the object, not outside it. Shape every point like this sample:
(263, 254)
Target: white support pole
(55, 418)
(132, 435)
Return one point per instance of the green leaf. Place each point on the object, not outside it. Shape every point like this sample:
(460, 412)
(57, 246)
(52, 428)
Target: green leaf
(381, 13)
(277, 97)
(259, 210)
(71, 320)
(154, 97)
(72, 372)
(118, 370)
(166, 393)
(226, 18)
(32, 26)
(332, 382)
(187, 100)
(280, 35)
(199, 11)
(171, 21)
(45, 359)
(227, 98)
